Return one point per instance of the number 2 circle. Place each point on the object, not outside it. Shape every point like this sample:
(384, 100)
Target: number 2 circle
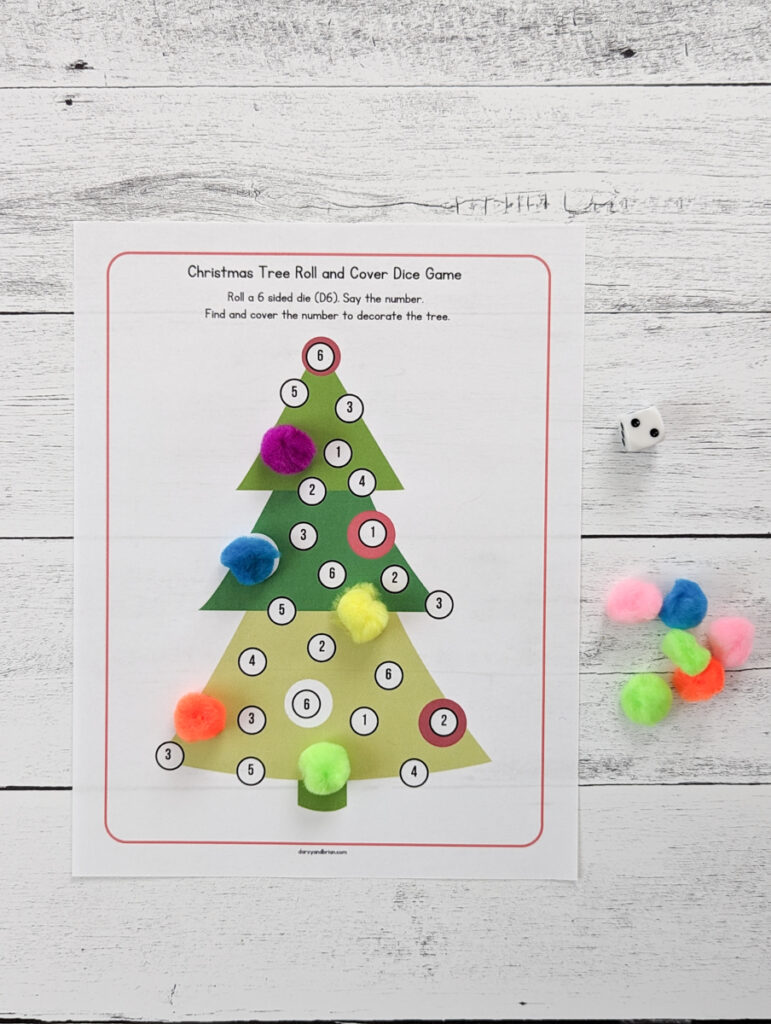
(312, 491)
(321, 647)
(394, 579)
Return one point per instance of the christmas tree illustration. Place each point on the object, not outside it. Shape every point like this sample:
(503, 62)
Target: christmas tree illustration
(320, 682)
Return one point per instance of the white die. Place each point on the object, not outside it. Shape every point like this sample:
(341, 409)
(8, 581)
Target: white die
(641, 430)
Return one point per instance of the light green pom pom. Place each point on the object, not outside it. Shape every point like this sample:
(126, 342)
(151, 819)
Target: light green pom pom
(646, 698)
(324, 768)
(684, 650)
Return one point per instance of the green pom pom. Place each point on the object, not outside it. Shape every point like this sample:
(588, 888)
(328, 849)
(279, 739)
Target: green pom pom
(646, 698)
(324, 768)
(684, 650)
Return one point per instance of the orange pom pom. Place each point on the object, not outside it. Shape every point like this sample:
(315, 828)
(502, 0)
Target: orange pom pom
(703, 686)
(198, 717)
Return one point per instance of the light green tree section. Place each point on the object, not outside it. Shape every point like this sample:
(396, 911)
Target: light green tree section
(317, 417)
(350, 677)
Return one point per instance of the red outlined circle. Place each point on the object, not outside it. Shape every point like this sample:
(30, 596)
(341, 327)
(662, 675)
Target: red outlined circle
(434, 738)
(367, 550)
(335, 350)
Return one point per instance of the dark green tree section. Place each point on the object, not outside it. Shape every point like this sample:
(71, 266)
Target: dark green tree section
(297, 574)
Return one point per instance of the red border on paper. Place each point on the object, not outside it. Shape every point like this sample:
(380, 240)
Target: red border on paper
(278, 842)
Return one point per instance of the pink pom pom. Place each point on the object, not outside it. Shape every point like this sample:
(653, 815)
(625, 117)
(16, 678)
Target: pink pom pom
(287, 450)
(633, 601)
(731, 640)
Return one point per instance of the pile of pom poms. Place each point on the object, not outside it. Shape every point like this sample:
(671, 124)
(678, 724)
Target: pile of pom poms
(362, 612)
(698, 669)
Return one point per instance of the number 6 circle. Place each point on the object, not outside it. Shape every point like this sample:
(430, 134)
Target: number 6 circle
(308, 703)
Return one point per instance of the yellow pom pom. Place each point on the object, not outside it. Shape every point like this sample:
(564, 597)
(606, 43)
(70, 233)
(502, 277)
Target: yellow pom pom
(363, 615)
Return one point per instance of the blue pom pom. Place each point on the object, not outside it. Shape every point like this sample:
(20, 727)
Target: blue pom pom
(251, 559)
(684, 606)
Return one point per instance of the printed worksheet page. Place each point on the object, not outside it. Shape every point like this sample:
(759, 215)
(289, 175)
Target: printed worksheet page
(327, 549)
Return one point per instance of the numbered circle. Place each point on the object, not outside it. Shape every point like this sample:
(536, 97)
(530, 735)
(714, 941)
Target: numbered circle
(364, 721)
(312, 491)
(394, 579)
(308, 703)
(389, 675)
(294, 393)
(338, 453)
(281, 611)
(362, 482)
(169, 756)
(439, 604)
(250, 771)
(442, 722)
(349, 408)
(332, 574)
(321, 647)
(414, 772)
(321, 356)
(371, 534)
(303, 536)
(251, 720)
(252, 661)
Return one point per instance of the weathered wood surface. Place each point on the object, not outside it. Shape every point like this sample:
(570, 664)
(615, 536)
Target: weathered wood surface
(712, 474)
(668, 920)
(389, 42)
(722, 741)
(672, 184)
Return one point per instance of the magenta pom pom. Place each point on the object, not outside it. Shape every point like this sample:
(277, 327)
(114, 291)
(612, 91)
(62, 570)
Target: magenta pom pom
(633, 601)
(287, 450)
(730, 640)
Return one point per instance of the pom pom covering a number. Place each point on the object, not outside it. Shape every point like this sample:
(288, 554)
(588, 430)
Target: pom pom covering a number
(286, 449)
(731, 640)
(684, 650)
(703, 686)
(362, 613)
(251, 559)
(633, 601)
(646, 698)
(324, 768)
(684, 606)
(198, 716)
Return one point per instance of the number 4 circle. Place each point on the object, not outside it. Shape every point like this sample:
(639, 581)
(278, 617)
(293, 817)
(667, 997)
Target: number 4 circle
(414, 772)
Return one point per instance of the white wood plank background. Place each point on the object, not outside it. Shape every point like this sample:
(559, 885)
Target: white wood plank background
(649, 122)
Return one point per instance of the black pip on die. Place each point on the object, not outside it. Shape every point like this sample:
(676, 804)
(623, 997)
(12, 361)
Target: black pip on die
(641, 430)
